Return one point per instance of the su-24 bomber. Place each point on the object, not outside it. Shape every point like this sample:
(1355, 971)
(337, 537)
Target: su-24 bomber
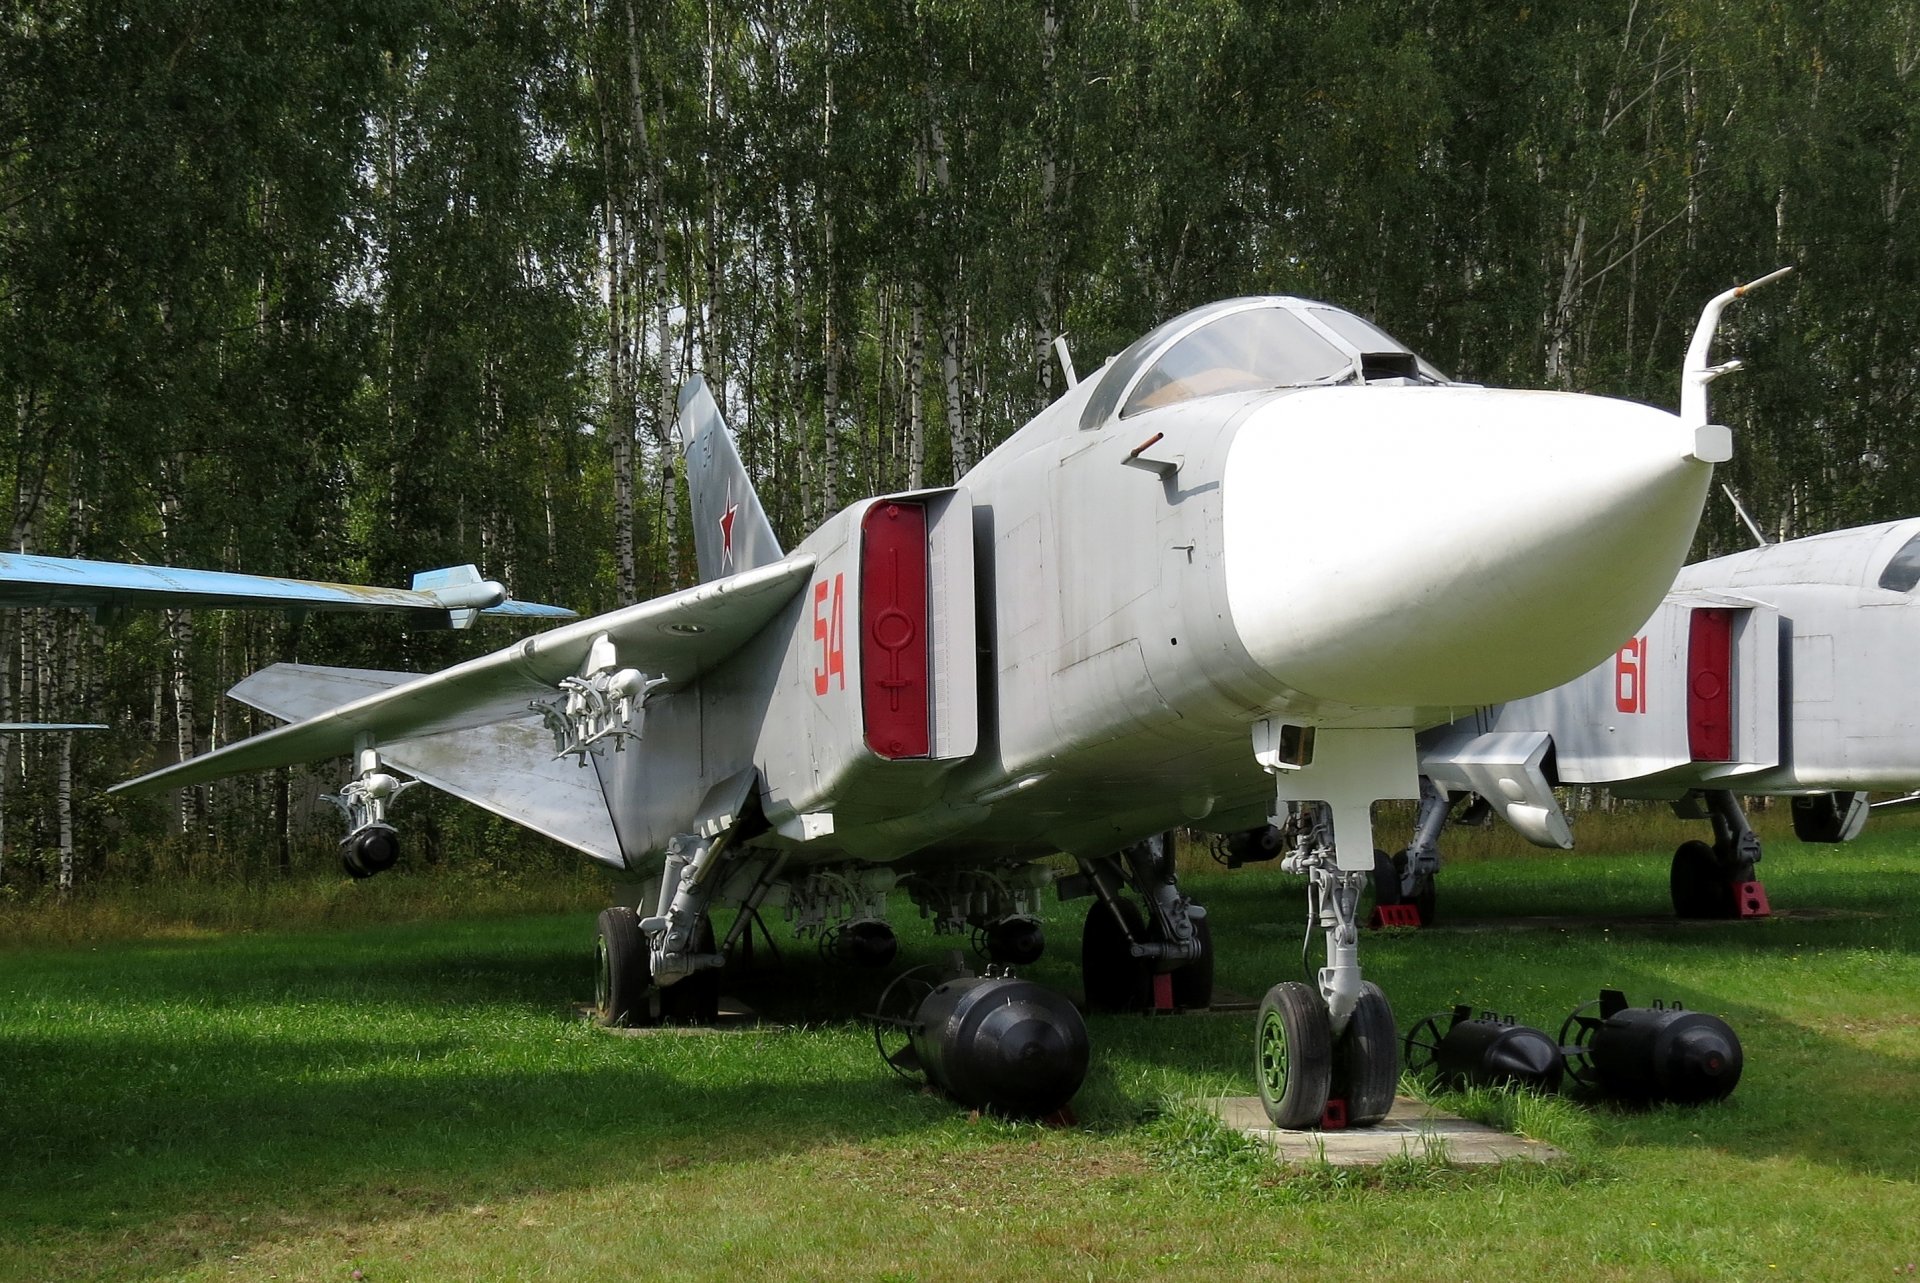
(1206, 587)
(1781, 670)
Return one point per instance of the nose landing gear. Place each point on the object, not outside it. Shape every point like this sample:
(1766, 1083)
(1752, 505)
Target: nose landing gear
(1327, 1053)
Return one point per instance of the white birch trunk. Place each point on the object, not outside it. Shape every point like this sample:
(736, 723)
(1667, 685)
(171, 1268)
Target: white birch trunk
(917, 389)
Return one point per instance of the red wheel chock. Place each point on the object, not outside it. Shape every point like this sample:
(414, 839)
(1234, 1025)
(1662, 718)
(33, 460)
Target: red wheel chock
(1750, 900)
(1162, 993)
(1394, 915)
(1334, 1118)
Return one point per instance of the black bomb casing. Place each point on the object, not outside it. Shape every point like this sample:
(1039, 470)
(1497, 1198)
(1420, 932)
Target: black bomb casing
(1485, 1050)
(1653, 1055)
(370, 850)
(1001, 1044)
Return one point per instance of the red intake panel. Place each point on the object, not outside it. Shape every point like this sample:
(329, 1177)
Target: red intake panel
(1710, 685)
(894, 690)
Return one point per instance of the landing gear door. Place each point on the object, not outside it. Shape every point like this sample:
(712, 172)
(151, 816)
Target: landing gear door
(1752, 681)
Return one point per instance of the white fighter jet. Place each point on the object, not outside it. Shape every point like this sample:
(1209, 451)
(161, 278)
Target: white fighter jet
(1781, 670)
(1204, 587)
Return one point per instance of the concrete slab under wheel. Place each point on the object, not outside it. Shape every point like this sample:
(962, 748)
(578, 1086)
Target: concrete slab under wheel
(1412, 1128)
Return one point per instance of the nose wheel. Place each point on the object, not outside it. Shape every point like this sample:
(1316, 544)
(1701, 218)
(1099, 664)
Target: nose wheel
(1293, 1055)
(1302, 1066)
(1366, 1059)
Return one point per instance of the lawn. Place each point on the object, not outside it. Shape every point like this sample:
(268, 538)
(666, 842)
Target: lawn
(414, 1097)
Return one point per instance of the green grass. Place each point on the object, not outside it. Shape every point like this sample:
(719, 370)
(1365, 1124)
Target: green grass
(298, 1094)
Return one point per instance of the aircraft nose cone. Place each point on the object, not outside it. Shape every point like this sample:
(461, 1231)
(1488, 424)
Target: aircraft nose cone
(1451, 547)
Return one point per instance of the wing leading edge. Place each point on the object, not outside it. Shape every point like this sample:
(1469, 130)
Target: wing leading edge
(678, 636)
(444, 597)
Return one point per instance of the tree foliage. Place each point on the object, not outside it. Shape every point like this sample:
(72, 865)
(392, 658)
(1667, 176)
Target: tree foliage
(355, 289)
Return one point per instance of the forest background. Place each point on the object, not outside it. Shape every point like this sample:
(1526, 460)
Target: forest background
(351, 289)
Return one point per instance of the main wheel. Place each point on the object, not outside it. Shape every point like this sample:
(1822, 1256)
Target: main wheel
(1425, 897)
(1366, 1060)
(1193, 983)
(622, 975)
(1115, 980)
(1698, 884)
(1293, 1055)
(694, 999)
(1386, 878)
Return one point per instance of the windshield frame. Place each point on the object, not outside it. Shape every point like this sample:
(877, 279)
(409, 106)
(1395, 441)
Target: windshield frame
(1111, 400)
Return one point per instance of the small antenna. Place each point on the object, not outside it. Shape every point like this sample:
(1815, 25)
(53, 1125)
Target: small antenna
(1741, 508)
(1066, 360)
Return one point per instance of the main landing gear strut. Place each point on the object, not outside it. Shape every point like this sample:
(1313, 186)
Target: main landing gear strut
(1135, 961)
(1717, 881)
(663, 967)
(1326, 1052)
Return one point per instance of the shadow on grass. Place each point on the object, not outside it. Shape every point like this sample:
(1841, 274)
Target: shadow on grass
(383, 1073)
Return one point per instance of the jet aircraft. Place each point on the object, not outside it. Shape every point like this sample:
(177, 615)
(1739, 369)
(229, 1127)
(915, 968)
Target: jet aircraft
(1775, 671)
(1204, 587)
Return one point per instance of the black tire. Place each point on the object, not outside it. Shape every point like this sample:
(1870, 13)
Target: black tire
(1426, 894)
(694, 999)
(1115, 980)
(622, 974)
(1193, 983)
(1366, 1060)
(1293, 1055)
(1698, 883)
(1821, 817)
(1386, 877)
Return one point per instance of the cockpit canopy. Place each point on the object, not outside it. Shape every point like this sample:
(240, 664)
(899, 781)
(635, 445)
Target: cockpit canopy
(1249, 344)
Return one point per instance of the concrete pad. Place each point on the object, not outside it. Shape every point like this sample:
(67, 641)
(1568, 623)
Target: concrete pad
(1411, 1128)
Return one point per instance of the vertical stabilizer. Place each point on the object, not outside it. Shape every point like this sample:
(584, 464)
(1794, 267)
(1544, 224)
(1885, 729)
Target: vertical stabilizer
(730, 528)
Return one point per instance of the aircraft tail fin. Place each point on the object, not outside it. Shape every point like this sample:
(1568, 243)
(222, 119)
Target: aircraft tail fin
(731, 532)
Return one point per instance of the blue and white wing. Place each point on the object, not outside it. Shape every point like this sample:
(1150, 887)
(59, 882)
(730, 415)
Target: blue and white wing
(444, 598)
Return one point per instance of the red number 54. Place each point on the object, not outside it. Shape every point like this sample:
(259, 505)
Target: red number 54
(829, 629)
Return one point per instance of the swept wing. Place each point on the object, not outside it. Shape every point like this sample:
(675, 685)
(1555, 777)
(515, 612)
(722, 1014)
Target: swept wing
(507, 768)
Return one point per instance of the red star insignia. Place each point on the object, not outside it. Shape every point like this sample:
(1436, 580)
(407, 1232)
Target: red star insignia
(726, 534)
